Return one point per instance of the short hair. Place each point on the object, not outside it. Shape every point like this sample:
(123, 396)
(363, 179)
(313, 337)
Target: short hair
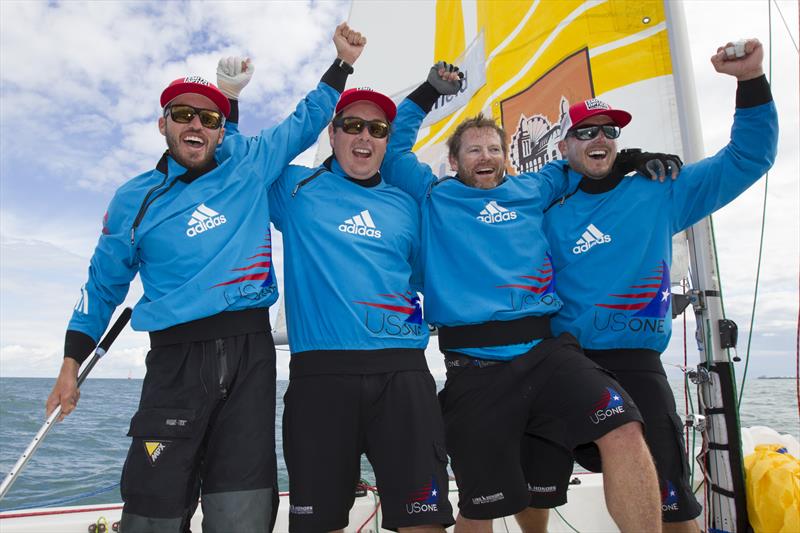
(478, 121)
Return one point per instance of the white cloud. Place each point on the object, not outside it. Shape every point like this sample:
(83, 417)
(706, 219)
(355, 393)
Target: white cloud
(83, 95)
(78, 110)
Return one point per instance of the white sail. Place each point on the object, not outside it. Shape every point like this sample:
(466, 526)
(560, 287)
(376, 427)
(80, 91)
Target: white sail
(538, 58)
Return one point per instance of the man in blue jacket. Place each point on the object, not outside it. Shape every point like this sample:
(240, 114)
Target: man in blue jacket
(490, 289)
(612, 248)
(196, 230)
(359, 381)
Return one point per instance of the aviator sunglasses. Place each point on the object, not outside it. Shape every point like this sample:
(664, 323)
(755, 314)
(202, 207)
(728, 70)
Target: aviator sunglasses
(354, 125)
(586, 133)
(184, 114)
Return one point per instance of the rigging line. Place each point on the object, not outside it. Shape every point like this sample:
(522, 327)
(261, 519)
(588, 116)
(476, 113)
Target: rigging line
(797, 349)
(797, 338)
(761, 240)
(565, 520)
(685, 378)
(791, 37)
(70, 499)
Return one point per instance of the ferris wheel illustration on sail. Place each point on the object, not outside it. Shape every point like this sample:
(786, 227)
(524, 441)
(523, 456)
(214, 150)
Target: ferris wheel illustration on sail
(534, 143)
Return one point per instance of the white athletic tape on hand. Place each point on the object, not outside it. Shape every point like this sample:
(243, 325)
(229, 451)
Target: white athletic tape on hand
(736, 50)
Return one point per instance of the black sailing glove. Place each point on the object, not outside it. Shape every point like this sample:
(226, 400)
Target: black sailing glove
(445, 86)
(654, 165)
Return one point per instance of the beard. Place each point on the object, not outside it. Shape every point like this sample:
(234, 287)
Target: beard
(190, 160)
(486, 181)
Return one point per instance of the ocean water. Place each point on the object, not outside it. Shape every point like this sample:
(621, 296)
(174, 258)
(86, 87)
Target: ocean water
(80, 461)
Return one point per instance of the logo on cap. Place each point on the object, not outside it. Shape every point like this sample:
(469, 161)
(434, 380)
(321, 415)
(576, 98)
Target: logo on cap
(594, 103)
(196, 79)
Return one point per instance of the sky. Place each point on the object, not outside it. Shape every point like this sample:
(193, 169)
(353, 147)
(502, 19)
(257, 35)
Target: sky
(78, 112)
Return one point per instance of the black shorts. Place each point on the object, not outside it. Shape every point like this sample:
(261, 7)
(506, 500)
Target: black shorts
(641, 374)
(206, 419)
(330, 420)
(553, 392)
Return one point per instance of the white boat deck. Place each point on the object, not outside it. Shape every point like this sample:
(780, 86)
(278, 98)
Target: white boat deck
(585, 512)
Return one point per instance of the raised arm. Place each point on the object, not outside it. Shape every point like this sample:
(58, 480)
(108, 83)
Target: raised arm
(400, 166)
(709, 184)
(275, 147)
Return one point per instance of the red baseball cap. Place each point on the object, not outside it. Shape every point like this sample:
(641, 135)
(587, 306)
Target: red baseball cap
(351, 96)
(196, 85)
(589, 108)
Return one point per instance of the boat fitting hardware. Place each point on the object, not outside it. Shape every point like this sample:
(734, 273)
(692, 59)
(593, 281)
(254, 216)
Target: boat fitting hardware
(696, 422)
(699, 376)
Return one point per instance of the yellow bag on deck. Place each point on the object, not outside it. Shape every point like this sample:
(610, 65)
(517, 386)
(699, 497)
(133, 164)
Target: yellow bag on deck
(773, 489)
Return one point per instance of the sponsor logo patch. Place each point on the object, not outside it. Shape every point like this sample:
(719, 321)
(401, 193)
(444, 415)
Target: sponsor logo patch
(591, 237)
(424, 499)
(154, 450)
(491, 498)
(82, 305)
(196, 79)
(400, 315)
(361, 224)
(301, 509)
(609, 404)
(203, 219)
(494, 213)
(594, 103)
(669, 497)
(541, 489)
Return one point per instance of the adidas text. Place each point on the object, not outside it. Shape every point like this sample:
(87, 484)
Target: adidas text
(360, 230)
(494, 213)
(590, 237)
(205, 225)
(361, 224)
(584, 247)
(498, 217)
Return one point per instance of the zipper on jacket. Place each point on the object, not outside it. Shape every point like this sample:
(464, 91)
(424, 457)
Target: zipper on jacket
(436, 182)
(222, 367)
(308, 179)
(147, 203)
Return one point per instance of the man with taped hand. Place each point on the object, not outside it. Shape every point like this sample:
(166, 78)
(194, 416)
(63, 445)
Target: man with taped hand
(612, 247)
(357, 341)
(196, 229)
(489, 288)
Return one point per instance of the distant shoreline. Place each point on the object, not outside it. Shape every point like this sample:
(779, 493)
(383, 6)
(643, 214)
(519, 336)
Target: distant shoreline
(776, 377)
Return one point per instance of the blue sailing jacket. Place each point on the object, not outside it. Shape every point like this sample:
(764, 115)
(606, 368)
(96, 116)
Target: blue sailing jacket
(484, 252)
(612, 246)
(349, 250)
(201, 247)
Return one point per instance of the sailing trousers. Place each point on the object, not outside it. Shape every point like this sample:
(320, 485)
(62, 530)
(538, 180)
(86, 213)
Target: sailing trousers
(205, 425)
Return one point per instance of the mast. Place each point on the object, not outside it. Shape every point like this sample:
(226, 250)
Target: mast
(725, 488)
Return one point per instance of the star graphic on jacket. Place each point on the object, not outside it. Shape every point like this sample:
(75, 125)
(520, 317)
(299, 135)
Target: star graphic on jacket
(664, 295)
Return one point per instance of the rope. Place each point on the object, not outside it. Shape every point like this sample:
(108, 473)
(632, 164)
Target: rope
(70, 499)
(791, 37)
(374, 514)
(686, 383)
(797, 349)
(565, 521)
(761, 239)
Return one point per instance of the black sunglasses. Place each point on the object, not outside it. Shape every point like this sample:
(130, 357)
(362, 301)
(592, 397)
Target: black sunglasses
(355, 125)
(184, 114)
(586, 133)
